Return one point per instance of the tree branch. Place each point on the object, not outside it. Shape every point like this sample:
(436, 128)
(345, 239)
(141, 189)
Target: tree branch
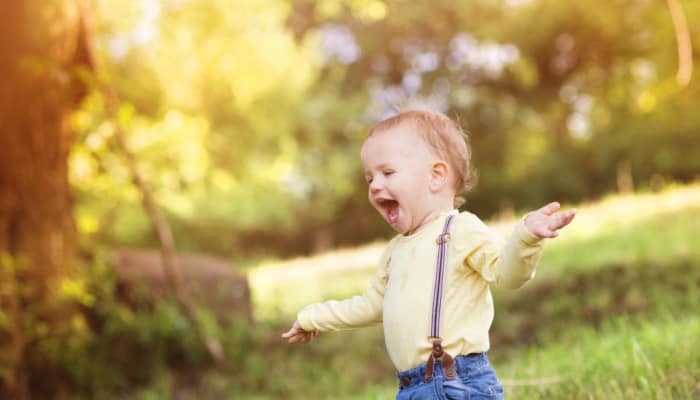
(685, 51)
(160, 225)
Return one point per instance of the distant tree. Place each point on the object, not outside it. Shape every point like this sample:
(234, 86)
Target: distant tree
(45, 42)
(248, 116)
(553, 94)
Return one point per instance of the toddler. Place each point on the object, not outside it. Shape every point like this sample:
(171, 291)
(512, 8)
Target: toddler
(431, 287)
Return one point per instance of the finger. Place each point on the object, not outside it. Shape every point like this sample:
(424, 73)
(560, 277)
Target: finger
(291, 339)
(550, 208)
(569, 217)
(302, 338)
(310, 336)
(296, 339)
(299, 336)
(547, 233)
(290, 332)
(563, 219)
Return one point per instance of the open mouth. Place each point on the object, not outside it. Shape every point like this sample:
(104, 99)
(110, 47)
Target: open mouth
(391, 210)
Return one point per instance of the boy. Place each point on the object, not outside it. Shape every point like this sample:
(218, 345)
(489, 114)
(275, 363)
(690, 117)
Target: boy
(433, 278)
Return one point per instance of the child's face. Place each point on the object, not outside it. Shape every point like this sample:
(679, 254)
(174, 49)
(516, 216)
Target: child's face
(397, 165)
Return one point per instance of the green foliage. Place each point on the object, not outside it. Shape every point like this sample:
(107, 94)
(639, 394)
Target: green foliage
(38, 331)
(230, 139)
(246, 122)
(114, 348)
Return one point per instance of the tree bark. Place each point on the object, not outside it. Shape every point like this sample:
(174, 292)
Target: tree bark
(43, 42)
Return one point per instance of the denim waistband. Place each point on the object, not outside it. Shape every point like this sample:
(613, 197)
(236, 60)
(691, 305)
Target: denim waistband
(463, 364)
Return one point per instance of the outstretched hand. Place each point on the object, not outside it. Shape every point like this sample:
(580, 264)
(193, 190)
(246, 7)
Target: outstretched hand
(298, 335)
(546, 221)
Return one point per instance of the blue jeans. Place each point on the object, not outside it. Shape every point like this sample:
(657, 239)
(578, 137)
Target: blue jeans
(476, 380)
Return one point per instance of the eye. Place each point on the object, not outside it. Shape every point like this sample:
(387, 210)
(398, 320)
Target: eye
(368, 179)
(389, 172)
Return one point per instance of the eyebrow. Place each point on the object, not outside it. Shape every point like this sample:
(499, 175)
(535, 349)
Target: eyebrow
(379, 167)
(382, 165)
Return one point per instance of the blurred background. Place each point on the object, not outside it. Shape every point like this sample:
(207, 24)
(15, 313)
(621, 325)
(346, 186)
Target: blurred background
(179, 177)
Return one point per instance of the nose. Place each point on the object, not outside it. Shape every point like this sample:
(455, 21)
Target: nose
(374, 187)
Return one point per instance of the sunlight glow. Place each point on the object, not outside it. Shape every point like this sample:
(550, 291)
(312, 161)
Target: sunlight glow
(411, 81)
(338, 43)
(491, 58)
(81, 166)
(118, 47)
(578, 125)
(579, 121)
(87, 224)
(373, 11)
(517, 3)
(145, 30)
(646, 101)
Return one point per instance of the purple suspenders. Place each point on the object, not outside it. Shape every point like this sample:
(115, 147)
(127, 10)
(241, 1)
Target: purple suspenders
(439, 279)
(438, 290)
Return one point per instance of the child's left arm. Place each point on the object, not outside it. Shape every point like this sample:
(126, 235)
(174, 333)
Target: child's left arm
(545, 222)
(510, 264)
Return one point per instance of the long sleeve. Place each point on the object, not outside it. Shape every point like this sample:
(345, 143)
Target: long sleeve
(506, 264)
(355, 312)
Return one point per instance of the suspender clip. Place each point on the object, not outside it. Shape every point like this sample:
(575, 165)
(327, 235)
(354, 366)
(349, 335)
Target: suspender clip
(448, 363)
(443, 238)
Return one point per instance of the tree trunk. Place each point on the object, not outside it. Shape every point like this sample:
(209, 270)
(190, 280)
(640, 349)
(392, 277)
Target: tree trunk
(43, 42)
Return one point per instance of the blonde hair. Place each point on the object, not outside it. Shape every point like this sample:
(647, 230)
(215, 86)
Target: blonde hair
(445, 137)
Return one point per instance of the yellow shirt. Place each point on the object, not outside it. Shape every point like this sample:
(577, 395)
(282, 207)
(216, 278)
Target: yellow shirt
(401, 291)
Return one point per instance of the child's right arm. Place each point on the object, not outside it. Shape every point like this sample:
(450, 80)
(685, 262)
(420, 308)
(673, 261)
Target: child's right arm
(356, 312)
(297, 334)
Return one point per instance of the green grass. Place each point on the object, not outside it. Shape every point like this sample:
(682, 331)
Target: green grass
(666, 236)
(622, 360)
(625, 358)
(656, 228)
(279, 290)
(549, 307)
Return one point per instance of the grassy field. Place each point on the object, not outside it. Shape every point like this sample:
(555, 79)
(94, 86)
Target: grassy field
(614, 313)
(621, 360)
(646, 228)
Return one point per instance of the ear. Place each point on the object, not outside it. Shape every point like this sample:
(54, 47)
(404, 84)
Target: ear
(439, 174)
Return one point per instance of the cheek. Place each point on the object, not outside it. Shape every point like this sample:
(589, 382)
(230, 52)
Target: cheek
(369, 198)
